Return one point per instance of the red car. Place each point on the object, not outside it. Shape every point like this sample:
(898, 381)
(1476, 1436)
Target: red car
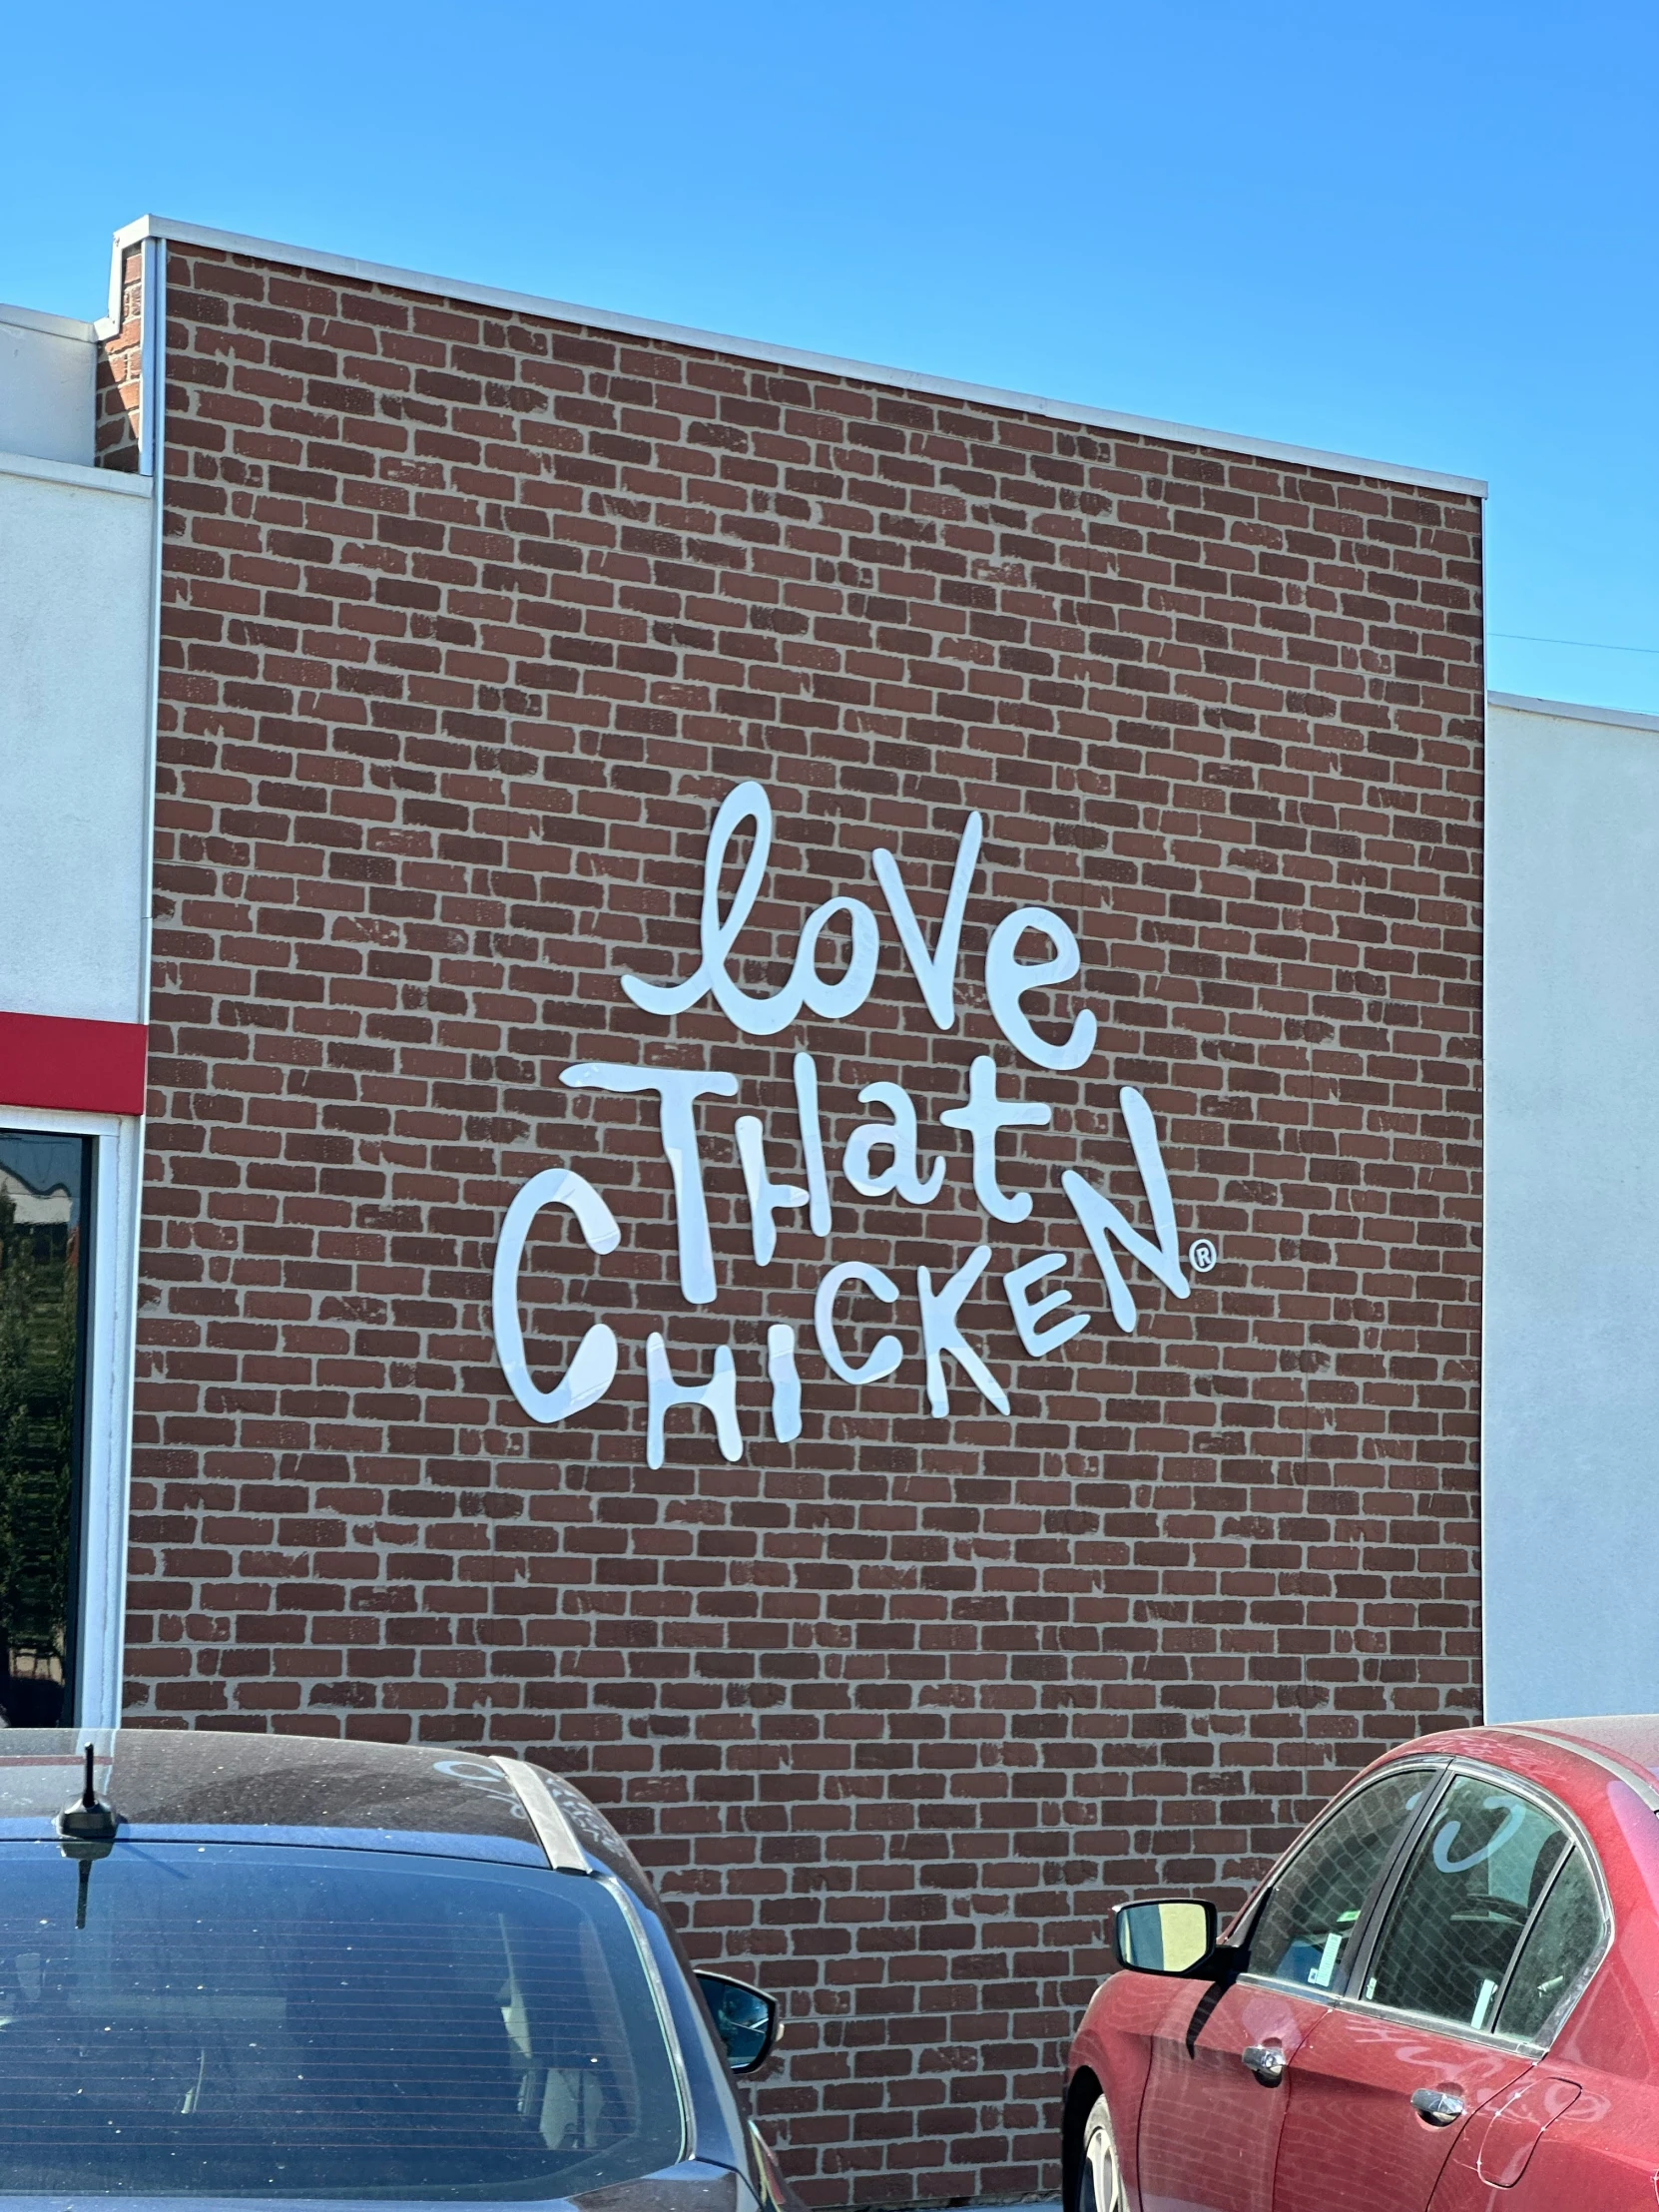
(1445, 1995)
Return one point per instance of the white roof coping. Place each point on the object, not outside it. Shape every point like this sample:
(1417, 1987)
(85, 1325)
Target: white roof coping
(54, 326)
(1559, 710)
(73, 474)
(784, 356)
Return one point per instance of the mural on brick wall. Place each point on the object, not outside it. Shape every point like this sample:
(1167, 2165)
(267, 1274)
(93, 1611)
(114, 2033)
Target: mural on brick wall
(984, 1114)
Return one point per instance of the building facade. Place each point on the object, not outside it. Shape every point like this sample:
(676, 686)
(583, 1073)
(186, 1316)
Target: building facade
(811, 1139)
(1572, 1390)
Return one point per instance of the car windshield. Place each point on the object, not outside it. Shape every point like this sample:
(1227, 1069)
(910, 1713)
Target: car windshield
(256, 2020)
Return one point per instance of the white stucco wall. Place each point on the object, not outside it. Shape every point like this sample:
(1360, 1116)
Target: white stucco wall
(47, 367)
(75, 571)
(1571, 1372)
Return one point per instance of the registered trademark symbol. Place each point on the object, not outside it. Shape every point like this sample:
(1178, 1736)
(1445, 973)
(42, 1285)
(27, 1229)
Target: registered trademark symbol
(1203, 1256)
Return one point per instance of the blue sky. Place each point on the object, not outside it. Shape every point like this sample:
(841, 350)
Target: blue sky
(1422, 233)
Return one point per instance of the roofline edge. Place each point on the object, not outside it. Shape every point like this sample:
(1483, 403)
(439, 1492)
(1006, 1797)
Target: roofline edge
(48, 325)
(78, 475)
(1562, 710)
(781, 357)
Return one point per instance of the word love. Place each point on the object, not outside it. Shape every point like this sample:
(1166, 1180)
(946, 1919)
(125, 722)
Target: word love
(1008, 978)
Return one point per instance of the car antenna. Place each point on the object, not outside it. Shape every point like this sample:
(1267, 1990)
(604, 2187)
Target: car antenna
(86, 1831)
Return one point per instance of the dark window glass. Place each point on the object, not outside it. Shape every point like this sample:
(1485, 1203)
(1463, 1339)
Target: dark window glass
(1304, 1928)
(1565, 1937)
(44, 1226)
(267, 2020)
(1463, 1904)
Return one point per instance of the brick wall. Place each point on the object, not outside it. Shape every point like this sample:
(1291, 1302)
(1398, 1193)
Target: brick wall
(471, 622)
(120, 374)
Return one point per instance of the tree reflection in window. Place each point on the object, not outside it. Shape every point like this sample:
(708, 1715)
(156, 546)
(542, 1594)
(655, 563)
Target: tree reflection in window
(44, 1228)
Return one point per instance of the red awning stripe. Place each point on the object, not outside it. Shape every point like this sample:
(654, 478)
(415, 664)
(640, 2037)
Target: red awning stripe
(85, 1067)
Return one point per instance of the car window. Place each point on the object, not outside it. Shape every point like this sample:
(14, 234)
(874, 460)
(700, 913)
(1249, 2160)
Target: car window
(1314, 1905)
(266, 2020)
(1463, 1904)
(1565, 1937)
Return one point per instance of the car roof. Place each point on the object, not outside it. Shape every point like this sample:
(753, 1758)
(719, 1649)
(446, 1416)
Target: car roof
(265, 1787)
(1630, 1737)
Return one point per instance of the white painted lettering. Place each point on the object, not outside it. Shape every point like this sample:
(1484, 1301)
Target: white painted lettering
(718, 932)
(812, 1140)
(765, 1199)
(1007, 980)
(591, 1373)
(935, 972)
(746, 802)
(718, 1396)
(941, 1335)
(1102, 1221)
(834, 1001)
(898, 1137)
(888, 1351)
(786, 1382)
(1030, 1311)
(982, 1117)
(881, 1158)
(677, 1088)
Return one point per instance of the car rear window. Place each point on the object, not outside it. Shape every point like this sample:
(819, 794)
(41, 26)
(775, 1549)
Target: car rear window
(254, 2019)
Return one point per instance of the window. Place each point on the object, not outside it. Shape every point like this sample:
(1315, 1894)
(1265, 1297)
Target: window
(1565, 1937)
(46, 1187)
(1314, 1908)
(1463, 1904)
(245, 2021)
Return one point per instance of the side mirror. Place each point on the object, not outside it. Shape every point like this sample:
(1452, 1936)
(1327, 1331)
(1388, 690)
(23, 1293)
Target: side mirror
(747, 2020)
(1172, 1936)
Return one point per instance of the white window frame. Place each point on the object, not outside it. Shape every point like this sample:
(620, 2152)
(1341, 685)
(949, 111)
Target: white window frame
(112, 1312)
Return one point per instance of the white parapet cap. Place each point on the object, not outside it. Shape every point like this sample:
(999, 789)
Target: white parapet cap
(123, 483)
(50, 325)
(1561, 709)
(781, 356)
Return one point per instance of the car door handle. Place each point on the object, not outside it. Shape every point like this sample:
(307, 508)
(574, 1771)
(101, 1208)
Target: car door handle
(1265, 2061)
(1439, 2107)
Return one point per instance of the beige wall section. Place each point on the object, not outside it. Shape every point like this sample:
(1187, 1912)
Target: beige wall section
(1570, 1482)
(74, 589)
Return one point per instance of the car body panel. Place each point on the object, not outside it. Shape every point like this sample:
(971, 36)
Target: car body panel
(692, 2186)
(1209, 2130)
(1111, 2054)
(1596, 2150)
(1351, 2137)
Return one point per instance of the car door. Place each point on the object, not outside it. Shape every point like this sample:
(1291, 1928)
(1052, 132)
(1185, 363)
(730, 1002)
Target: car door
(1383, 2088)
(1567, 2133)
(1216, 2083)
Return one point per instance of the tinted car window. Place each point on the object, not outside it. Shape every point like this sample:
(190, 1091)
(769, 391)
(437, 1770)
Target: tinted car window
(259, 2021)
(1565, 1937)
(1464, 1902)
(1314, 1905)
